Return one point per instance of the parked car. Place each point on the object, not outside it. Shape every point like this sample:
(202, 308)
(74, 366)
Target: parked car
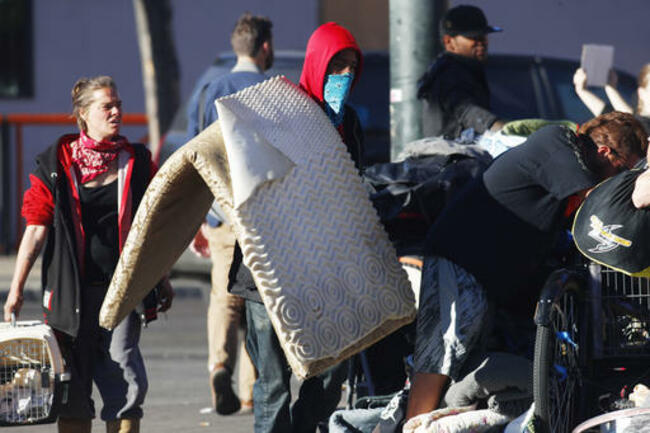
(521, 86)
(371, 105)
(541, 87)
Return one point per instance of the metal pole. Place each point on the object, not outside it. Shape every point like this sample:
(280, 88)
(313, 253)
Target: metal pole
(414, 43)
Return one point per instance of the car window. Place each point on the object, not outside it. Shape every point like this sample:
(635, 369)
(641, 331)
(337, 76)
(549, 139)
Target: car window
(290, 67)
(560, 76)
(512, 89)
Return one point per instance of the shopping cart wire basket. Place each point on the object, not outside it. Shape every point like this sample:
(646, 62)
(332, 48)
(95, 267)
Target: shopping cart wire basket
(621, 314)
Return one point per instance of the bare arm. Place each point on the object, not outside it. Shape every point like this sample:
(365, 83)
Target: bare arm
(591, 101)
(30, 247)
(641, 193)
(614, 96)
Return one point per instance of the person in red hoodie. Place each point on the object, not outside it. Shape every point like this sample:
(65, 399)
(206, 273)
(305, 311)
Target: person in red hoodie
(83, 196)
(333, 64)
(332, 67)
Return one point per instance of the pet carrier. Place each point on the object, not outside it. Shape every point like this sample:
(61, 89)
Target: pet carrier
(32, 375)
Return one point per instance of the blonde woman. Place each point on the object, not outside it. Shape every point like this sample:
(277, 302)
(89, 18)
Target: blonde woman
(596, 105)
(83, 195)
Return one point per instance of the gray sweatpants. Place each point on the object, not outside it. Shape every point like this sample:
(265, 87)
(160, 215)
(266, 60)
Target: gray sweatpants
(110, 359)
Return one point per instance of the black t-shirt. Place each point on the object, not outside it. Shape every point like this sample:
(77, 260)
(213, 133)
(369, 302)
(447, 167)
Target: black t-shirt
(533, 180)
(99, 219)
(503, 225)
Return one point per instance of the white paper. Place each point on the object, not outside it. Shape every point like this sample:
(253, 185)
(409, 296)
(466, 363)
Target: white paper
(596, 61)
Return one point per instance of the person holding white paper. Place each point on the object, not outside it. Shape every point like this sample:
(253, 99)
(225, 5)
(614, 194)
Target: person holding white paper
(597, 106)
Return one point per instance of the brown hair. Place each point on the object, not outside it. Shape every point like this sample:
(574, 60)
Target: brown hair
(82, 92)
(249, 34)
(642, 80)
(621, 132)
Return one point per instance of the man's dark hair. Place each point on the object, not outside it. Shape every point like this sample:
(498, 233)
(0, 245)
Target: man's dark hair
(621, 132)
(249, 34)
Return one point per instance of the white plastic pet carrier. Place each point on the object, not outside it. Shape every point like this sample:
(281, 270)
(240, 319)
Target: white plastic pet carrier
(32, 375)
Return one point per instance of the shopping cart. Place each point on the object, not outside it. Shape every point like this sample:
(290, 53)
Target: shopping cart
(33, 380)
(592, 343)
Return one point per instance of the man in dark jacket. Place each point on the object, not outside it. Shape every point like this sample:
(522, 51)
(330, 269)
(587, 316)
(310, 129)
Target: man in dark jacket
(454, 89)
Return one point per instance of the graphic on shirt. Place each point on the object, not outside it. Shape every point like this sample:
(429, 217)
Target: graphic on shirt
(608, 241)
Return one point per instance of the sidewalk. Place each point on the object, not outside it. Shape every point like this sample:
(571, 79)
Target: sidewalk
(183, 287)
(33, 284)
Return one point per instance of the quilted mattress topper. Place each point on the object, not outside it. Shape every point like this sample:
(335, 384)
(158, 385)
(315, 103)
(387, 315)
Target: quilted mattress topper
(325, 268)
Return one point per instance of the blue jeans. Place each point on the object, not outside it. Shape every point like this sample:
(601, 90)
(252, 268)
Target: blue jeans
(355, 420)
(318, 396)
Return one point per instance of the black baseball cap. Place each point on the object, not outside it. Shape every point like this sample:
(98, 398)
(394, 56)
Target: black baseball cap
(467, 21)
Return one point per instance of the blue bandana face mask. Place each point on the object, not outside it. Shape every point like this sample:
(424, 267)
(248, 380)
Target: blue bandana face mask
(335, 93)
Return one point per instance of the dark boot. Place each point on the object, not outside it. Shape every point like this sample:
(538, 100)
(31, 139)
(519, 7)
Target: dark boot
(224, 399)
(74, 425)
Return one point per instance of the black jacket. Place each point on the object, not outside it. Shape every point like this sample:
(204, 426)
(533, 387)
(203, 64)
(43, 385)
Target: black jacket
(61, 275)
(456, 97)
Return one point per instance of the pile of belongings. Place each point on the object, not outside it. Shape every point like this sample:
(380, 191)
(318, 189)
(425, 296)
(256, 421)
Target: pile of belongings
(491, 394)
(411, 193)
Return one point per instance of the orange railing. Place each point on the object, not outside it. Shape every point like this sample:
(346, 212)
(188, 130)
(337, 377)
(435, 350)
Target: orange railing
(19, 120)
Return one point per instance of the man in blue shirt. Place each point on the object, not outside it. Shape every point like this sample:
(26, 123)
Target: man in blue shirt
(251, 41)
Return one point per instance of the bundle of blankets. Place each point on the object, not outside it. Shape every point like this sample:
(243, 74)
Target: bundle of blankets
(493, 393)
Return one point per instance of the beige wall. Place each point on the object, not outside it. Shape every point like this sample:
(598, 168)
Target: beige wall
(366, 19)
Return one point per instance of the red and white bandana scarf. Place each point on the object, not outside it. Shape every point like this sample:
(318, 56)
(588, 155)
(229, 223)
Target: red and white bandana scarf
(92, 157)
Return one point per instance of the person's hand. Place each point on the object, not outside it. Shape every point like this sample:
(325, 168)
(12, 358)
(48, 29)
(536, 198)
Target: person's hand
(641, 192)
(199, 245)
(165, 295)
(612, 78)
(13, 304)
(580, 79)
(497, 125)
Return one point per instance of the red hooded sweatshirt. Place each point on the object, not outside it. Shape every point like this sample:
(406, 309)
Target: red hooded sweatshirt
(324, 43)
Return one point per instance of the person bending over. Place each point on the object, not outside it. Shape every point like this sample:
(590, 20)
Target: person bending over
(492, 239)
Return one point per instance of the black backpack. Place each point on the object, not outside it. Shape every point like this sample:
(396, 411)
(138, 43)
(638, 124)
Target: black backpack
(610, 230)
(410, 194)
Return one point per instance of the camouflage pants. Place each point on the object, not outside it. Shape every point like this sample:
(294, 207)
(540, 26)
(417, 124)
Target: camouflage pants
(450, 317)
